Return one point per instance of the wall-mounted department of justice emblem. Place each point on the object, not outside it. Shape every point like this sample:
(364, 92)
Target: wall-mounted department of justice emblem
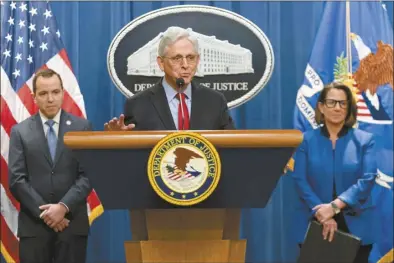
(184, 168)
(236, 57)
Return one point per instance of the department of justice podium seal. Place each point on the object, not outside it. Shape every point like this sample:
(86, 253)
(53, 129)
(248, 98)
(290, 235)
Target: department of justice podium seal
(184, 168)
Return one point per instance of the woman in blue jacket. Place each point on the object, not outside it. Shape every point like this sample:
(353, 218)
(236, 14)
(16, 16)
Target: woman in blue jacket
(335, 169)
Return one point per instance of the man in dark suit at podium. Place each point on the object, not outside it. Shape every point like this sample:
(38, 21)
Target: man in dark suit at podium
(175, 102)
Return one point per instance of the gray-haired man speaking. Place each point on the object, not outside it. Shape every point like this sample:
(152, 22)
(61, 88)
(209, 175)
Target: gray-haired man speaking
(176, 102)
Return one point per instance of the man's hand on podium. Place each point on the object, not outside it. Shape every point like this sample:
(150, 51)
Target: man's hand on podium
(118, 125)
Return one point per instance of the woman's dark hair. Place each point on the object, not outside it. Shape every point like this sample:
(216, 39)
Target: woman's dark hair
(351, 117)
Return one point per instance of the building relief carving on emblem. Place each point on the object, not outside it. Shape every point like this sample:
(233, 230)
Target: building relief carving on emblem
(217, 57)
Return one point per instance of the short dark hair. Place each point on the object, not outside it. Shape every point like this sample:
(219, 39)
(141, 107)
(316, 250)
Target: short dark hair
(351, 117)
(45, 73)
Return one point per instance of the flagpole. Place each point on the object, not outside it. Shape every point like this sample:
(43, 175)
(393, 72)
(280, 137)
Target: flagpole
(348, 40)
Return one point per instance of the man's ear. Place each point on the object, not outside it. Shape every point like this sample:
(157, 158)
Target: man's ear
(198, 60)
(34, 97)
(160, 62)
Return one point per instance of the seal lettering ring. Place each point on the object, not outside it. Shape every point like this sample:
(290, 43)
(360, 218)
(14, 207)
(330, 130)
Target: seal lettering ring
(184, 168)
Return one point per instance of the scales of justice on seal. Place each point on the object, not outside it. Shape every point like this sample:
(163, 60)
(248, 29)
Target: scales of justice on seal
(185, 189)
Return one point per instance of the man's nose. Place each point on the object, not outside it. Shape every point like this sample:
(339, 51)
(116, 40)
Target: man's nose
(184, 62)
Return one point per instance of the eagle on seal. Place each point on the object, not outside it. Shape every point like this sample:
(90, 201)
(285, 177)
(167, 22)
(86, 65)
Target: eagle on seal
(183, 156)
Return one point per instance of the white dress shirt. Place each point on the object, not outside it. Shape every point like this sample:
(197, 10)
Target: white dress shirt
(173, 102)
(55, 125)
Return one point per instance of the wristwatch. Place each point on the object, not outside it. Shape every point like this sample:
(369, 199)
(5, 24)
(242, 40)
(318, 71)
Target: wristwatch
(335, 208)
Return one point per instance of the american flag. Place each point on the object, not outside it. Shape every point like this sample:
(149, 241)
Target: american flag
(30, 40)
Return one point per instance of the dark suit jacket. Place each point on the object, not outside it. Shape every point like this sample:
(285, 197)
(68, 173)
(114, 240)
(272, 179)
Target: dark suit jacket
(149, 110)
(36, 180)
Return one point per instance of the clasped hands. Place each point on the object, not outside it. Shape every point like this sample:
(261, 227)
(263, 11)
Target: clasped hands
(324, 214)
(53, 216)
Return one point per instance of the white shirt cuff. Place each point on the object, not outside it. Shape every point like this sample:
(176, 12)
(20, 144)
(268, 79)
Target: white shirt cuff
(68, 210)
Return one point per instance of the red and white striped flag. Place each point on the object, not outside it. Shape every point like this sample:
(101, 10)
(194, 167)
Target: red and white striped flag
(30, 41)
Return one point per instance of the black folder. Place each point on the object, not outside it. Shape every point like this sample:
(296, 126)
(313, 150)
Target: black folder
(343, 248)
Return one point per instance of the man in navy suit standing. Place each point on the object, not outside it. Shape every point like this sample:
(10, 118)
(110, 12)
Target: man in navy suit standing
(48, 181)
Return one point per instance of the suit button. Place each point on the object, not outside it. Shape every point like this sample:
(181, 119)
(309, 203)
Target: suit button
(52, 172)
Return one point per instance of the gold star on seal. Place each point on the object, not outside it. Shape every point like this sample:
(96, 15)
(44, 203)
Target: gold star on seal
(172, 193)
(195, 193)
(183, 196)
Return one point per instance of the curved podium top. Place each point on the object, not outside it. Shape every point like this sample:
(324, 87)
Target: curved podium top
(147, 139)
(252, 162)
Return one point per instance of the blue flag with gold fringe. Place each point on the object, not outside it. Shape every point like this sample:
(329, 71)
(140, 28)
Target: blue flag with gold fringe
(370, 75)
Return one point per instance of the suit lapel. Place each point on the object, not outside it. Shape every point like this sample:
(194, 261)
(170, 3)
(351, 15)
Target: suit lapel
(339, 159)
(38, 129)
(196, 108)
(160, 103)
(64, 126)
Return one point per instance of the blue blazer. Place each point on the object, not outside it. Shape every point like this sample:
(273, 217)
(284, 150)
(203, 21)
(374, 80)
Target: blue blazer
(351, 166)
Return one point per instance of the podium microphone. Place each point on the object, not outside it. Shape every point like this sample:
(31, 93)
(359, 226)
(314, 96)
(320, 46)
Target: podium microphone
(180, 82)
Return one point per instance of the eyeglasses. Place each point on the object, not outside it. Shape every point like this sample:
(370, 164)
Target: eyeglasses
(330, 103)
(191, 59)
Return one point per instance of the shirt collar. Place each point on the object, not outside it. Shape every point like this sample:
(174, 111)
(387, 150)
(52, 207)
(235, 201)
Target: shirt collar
(171, 93)
(56, 118)
(341, 133)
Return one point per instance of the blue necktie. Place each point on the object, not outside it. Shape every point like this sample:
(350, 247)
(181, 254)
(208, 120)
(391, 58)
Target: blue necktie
(51, 138)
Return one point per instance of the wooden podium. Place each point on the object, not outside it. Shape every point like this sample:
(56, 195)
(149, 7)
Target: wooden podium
(252, 162)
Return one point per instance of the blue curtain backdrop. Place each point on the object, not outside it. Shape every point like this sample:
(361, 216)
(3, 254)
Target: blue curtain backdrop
(87, 30)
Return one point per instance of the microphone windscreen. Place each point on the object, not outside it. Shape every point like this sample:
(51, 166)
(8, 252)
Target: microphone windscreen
(180, 82)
